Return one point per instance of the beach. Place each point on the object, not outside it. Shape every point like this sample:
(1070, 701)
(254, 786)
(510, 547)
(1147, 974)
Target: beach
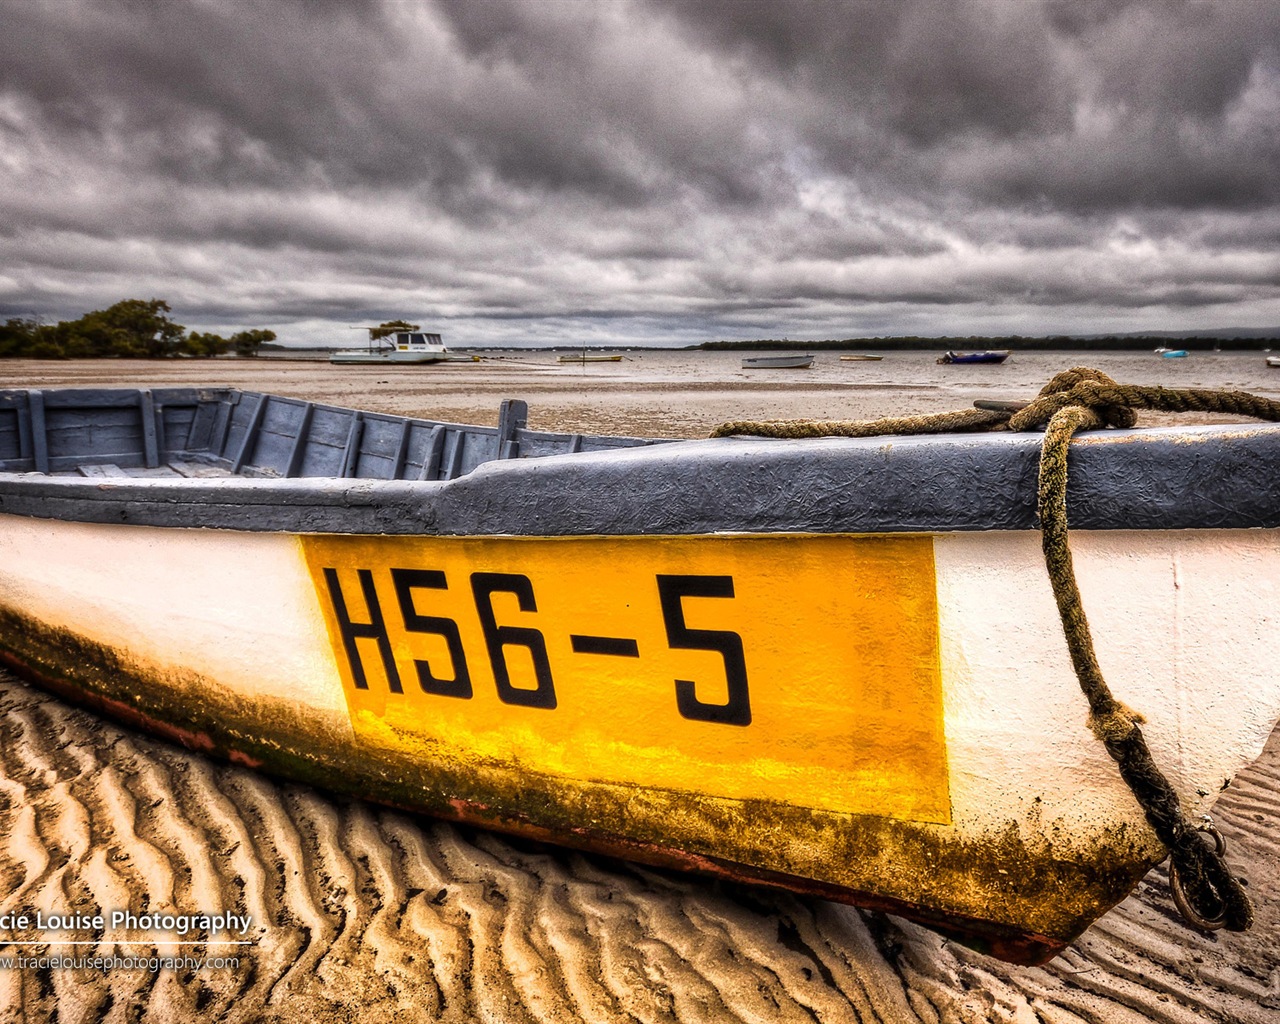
(364, 913)
(653, 393)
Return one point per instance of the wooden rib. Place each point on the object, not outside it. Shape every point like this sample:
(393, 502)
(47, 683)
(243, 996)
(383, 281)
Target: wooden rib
(250, 435)
(513, 414)
(39, 431)
(454, 469)
(150, 442)
(402, 450)
(435, 448)
(298, 453)
(222, 424)
(351, 451)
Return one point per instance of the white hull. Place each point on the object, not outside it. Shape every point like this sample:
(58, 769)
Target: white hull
(777, 362)
(1184, 625)
(397, 357)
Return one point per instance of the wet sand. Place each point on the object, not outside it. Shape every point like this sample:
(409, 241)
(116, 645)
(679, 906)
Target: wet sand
(367, 914)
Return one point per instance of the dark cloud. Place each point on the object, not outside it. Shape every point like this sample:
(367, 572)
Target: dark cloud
(662, 166)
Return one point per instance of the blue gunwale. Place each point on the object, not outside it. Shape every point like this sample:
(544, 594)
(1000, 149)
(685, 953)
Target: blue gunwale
(294, 466)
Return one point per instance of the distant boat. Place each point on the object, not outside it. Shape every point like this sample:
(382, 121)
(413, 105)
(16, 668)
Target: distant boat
(987, 356)
(584, 358)
(777, 362)
(397, 347)
(861, 357)
(1172, 353)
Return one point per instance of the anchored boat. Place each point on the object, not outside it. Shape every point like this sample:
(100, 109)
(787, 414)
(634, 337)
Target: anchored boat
(785, 362)
(987, 356)
(833, 665)
(407, 347)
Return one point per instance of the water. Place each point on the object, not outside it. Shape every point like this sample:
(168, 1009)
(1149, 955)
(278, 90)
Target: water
(1021, 372)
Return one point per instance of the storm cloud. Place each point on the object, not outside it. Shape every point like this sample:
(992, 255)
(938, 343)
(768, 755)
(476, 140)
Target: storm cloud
(645, 170)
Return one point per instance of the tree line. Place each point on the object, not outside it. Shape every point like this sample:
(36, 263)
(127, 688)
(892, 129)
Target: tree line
(131, 329)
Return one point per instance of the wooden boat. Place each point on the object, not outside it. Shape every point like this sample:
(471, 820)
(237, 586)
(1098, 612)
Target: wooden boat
(407, 347)
(589, 358)
(987, 356)
(779, 362)
(861, 357)
(715, 655)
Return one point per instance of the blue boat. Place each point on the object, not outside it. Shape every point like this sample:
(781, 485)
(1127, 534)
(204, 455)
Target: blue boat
(987, 356)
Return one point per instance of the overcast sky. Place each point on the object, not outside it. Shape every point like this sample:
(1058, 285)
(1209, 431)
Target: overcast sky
(645, 170)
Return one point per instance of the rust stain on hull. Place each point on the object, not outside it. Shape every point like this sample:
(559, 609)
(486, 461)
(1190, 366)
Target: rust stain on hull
(1054, 898)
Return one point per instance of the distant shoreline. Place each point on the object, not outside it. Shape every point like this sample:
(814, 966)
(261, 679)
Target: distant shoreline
(1063, 343)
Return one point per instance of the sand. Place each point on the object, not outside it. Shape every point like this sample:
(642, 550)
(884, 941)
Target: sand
(361, 913)
(651, 394)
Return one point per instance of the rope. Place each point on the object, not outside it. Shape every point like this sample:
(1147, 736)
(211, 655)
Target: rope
(938, 423)
(1086, 399)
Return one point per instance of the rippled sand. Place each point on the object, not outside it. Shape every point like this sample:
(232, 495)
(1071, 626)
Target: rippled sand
(365, 914)
(361, 913)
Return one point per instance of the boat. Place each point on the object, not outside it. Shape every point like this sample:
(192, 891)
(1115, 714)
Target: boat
(592, 358)
(987, 356)
(861, 357)
(780, 362)
(1273, 360)
(408, 347)
(1172, 353)
(830, 665)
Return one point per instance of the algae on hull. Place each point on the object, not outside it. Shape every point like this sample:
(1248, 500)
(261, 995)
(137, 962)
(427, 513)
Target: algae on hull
(1000, 895)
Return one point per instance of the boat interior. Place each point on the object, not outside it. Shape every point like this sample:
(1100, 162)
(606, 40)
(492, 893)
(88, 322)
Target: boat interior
(196, 432)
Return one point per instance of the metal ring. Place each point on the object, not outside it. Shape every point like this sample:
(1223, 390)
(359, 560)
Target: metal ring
(1179, 893)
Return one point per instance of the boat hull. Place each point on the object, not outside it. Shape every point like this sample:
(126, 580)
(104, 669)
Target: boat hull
(900, 752)
(995, 356)
(358, 357)
(777, 362)
(834, 665)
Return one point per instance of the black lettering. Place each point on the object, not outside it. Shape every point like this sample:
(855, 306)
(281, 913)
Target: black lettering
(483, 586)
(406, 582)
(374, 629)
(671, 590)
(616, 646)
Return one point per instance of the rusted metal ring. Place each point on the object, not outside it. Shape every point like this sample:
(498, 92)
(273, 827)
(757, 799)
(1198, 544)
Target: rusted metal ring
(1206, 924)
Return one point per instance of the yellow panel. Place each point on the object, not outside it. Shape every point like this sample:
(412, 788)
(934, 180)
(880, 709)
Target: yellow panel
(796, 669)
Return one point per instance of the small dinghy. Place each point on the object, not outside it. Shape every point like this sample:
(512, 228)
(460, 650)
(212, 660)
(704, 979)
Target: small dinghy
(777, 362)
(988, 356)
